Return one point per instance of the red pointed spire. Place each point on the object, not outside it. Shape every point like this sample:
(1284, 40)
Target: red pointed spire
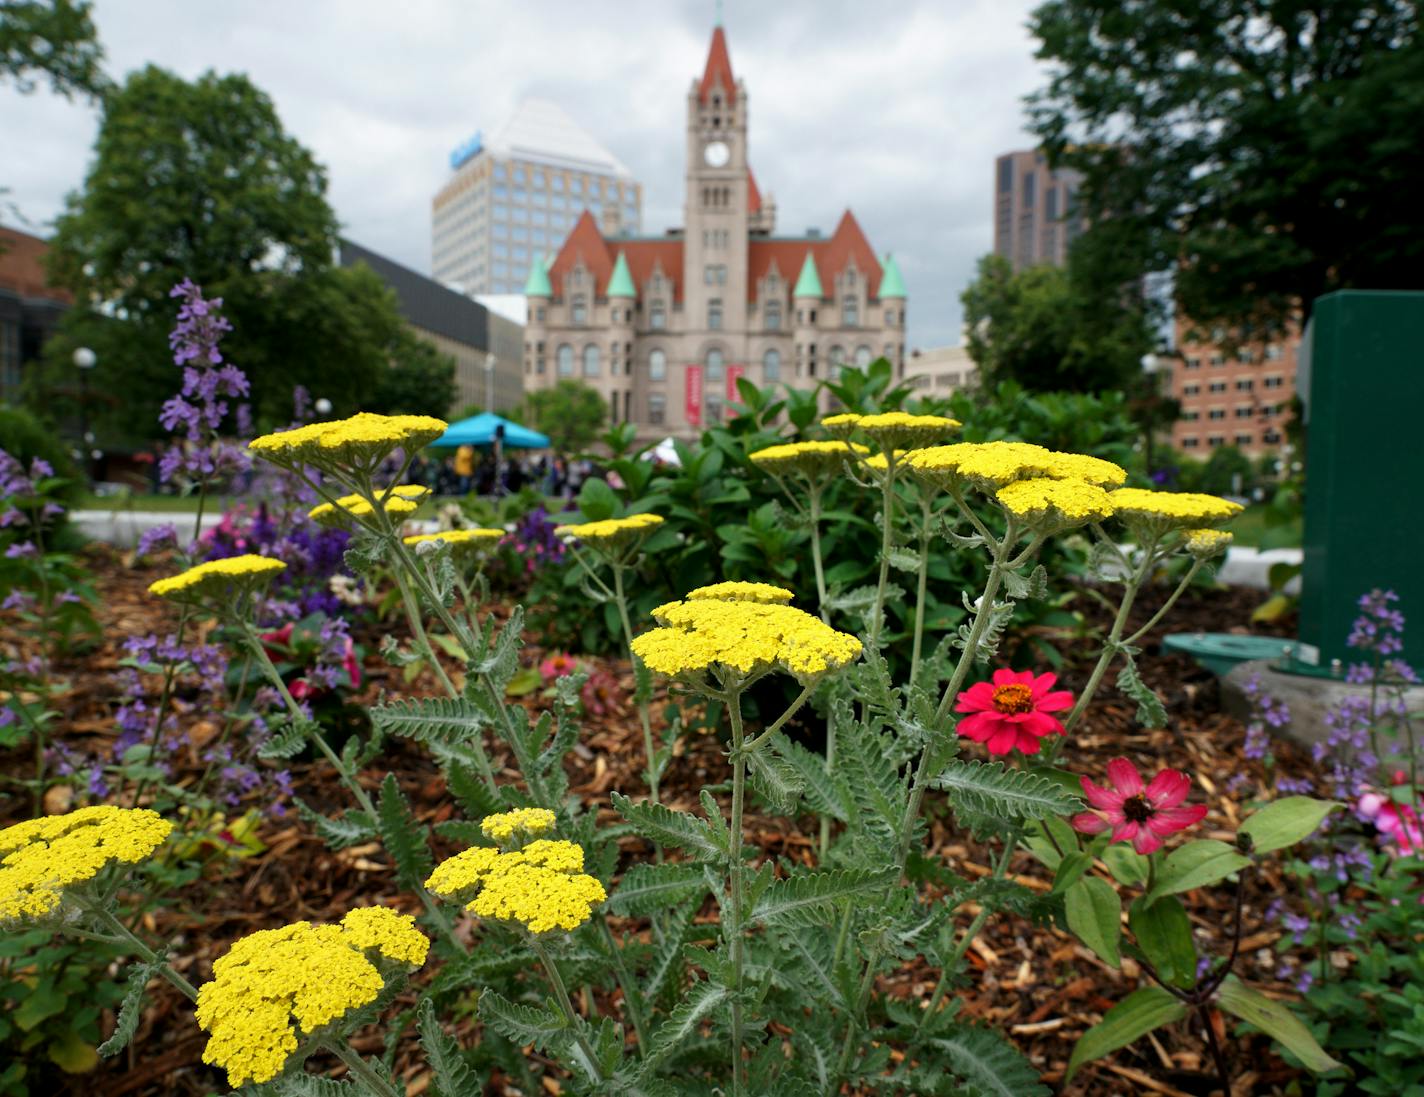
(719, 69)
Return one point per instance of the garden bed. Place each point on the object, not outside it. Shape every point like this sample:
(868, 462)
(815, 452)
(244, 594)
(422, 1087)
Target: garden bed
(1037, 983)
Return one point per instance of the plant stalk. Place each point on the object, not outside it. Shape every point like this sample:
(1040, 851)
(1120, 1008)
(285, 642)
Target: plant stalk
(732, 916)
(561, 994)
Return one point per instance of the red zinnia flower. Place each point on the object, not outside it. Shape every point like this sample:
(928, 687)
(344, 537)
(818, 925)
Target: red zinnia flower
(1012, 710)
(1142, 815)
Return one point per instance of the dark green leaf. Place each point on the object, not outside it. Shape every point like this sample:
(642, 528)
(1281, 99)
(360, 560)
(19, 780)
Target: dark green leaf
(1136, 1015)
(1277, 1021)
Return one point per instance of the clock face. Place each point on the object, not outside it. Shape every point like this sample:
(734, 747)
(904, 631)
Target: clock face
(717, 154)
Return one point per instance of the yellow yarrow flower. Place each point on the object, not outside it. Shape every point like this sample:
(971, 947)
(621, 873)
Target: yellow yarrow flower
(275, 984)
(747, 638)
(1206, 543)
(521, 821)
(812, 460)
(542, 887)
(842, 425)
(989, 466)
(895, 430)
(1079, 466)
(363, 440)
(217, 577)
(741, 592)
(611, 533)
(404, 499)
(1055, 505)
(41, 857)
(1154, 512)
(458, 538)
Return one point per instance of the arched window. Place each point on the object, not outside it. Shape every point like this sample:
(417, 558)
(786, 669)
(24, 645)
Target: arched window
(657, 366)
(715, 364)
(850, 312)
(862, 356)
(837, 355)
(772, 316)
(590, 360)
(771, 365)
(566, 360)
(578, 310)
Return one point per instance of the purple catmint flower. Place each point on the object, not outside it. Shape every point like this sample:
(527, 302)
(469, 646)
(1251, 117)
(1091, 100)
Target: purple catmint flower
(21, 550)
(157, 537)
(18, 599)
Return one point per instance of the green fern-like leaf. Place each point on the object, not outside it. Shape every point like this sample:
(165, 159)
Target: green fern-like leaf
(477, 969)
(543, 1028)
(347, 829)
(673, 828)
(682, 1024)
(404, 837)
(453, 1078)
(775, 781)
(1009, 794)
(988, 1065)
(130, 1011)
(443, 720)
(1150, 711)
(824, 794)
(813, 899)
(289, 742)
(310, 1085)
(648, 889)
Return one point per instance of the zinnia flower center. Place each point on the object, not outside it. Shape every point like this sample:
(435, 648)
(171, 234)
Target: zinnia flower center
(1136, 809)
(1011, 699)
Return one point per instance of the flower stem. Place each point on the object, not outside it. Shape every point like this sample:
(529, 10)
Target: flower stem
(732, 916)
(887, 521)
(413, 616)
(921, 585)
(124, 935)
(359, 1069)
(561, 994)
(625, 983)
(644, 716)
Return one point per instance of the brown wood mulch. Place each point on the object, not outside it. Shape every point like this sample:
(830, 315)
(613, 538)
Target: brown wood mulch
(1037, 984)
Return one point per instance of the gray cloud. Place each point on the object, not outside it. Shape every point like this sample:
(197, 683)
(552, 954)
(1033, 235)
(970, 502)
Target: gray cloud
(895, 111)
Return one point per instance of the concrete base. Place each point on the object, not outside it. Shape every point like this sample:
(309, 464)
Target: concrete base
(1309, 699)
(123, 528)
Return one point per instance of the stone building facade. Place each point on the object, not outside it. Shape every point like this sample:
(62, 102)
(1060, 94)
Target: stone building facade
(664, 326)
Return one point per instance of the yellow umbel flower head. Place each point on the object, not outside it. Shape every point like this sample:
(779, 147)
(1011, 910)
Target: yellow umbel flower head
(217, 578)
(813, 461)
(541, 887)
(612, 537)
(1152, 513)
(1206, 543)
(362, 441)
(989, 466)
(401, 500)
(1051, 506)
(842, 425)
(459, 540)
(40, 858)
(744, 639)
(894, 430)
(278, 984)
(1079, 466)
(741, 592)
(521, 822)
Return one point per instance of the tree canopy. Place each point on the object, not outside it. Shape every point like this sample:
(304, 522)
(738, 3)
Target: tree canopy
(571, 414)
(1267, 152)
(55, 38)
(1038, 328)
(199, 180)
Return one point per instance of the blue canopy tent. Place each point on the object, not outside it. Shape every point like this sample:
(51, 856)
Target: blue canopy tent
(479, 430)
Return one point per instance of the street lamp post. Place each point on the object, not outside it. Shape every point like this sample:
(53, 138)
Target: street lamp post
(1151, 365)
(85, 360)
(489, 381)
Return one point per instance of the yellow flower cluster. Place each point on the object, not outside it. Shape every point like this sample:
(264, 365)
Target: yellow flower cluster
(990, 466)
(362, 439)
(520, 821)
(404, 499)
(893, 429)
(1054, 505)
(741, 592)
(303, 974)
(611, 532)
(42, 857)
(812, 460)
(458, 538)
(1206, 543)
(750, 638)
(1159, 511)
(542, 887)
(217, 576)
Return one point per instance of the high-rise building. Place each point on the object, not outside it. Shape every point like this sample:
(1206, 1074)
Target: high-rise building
(30, 308)
(664, 326)
(516, 197)
(1035, 209)
(1240, 399)
(941, 371)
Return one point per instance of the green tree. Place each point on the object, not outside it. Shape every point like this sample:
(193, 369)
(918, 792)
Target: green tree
(55, 38)
(199, 180)
(1037, 328)
(420, 379)
(1261, 150)
(571, 414)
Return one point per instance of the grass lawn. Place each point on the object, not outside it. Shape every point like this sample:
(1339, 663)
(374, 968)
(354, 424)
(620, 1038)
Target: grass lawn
(174, 504)
(1250, 527)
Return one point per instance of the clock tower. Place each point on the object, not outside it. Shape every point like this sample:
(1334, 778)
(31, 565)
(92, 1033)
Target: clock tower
(716, 213)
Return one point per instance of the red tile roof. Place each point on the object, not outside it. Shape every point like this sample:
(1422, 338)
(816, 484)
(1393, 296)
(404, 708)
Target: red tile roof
(753, 193)
(644, 256)
(22, 267)
(719, 67)
(831, 256)
(586, 243)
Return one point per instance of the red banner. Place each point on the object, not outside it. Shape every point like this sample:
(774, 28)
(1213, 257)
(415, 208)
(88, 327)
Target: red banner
(692, 396)
(733, 372)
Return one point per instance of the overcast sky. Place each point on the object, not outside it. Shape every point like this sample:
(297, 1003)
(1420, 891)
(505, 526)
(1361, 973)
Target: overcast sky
(896, 111)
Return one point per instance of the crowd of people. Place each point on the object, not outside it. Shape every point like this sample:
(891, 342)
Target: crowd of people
(468, 470)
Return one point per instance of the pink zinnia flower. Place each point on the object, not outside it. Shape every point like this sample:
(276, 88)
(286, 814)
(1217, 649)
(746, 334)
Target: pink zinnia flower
(1142, 815)
(557, 666)
(1012, 710)
(1398, 824)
